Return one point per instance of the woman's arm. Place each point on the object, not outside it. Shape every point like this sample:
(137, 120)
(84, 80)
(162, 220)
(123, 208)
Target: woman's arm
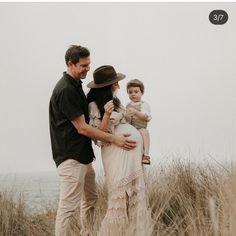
(109, 107)
(104, 123)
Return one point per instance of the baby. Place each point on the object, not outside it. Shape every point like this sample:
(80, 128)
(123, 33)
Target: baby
(139, 111)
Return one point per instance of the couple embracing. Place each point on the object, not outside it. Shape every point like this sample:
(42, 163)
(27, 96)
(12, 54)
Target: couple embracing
(76, 119)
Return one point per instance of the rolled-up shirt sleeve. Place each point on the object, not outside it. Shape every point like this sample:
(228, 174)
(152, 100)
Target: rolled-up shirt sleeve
(145, 108)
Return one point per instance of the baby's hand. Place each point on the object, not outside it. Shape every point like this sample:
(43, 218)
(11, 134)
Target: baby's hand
(109, 107)
(131, 111)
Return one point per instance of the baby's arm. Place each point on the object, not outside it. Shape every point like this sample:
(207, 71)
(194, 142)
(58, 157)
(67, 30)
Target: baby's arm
(145, 109)
(144, 114)
(133, 112)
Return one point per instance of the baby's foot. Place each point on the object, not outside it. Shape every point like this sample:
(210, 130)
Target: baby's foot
(146, 160)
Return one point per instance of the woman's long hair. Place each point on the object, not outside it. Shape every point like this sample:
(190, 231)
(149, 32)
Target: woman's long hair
(101, 96)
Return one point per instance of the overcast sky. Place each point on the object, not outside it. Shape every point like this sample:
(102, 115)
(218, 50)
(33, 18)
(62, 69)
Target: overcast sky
(188, 66)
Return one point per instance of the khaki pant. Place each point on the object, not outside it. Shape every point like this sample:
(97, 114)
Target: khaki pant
(77, 187)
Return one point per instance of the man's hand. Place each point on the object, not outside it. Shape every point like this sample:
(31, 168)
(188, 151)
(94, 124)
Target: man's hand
(124, 142)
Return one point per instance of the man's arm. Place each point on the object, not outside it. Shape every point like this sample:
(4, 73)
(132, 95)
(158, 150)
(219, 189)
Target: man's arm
(120, 140)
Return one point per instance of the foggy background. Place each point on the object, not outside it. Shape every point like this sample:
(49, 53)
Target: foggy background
(187, 64)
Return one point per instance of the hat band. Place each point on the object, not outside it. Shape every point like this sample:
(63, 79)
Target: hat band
(102, 81)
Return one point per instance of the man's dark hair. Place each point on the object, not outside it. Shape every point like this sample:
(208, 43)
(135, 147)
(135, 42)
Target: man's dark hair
(101, 96)
(74, 53)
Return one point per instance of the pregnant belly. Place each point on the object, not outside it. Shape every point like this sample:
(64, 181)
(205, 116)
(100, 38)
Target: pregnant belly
(129, 129)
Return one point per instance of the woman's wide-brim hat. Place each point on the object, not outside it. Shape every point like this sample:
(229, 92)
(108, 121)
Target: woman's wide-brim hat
(104, 76)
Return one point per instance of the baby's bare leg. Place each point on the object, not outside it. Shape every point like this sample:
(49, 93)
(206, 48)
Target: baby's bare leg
(146, 141)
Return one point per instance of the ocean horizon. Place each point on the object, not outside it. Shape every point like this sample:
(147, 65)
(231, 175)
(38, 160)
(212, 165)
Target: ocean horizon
(39, 189)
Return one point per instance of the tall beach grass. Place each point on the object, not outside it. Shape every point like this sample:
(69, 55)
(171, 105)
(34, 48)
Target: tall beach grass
(185, 198)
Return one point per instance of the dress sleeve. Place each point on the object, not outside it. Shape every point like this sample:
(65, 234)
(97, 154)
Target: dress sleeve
(145, 108)
(94, 115)
(94, 119)
(127, 105)
(127, 117)
(115, 118)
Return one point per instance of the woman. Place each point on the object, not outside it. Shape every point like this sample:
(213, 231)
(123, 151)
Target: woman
(128, 210)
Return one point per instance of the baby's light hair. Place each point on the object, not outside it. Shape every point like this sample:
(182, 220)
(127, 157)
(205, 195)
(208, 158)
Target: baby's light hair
(135, 83)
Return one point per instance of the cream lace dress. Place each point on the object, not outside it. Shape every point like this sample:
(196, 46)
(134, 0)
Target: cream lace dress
(124, 179)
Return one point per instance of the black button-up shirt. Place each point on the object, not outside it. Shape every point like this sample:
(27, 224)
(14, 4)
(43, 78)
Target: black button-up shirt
(68, 102)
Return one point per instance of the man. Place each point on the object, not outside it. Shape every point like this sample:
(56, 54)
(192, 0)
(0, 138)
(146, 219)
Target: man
(71, 143)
